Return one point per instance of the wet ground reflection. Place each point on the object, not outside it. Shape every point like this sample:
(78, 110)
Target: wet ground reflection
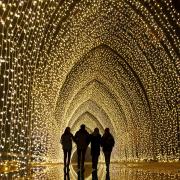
(117, 172)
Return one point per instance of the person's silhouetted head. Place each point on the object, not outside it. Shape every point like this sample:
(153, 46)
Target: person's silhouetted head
(83, 126)
(106, 130)
(96, 131)
(67, 130)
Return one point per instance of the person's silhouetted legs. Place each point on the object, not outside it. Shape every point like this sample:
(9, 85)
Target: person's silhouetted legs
(83, 159)
(107, 160)
(65, 160)
(95, 161)
(79, 158)
(68, 160)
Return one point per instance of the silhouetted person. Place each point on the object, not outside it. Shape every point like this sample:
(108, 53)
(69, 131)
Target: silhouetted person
(82, 140)
(95, 139)
(66, 141)
(107, 143)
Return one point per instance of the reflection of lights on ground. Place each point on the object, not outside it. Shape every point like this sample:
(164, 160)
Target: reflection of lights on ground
(106, 63)
(130, 171)
(9, 166)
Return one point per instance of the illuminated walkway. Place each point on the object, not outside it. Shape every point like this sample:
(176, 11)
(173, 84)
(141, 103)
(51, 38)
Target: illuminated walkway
(152, 171)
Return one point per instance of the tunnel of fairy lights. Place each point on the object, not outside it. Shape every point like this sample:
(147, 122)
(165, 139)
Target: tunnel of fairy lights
(105, 63)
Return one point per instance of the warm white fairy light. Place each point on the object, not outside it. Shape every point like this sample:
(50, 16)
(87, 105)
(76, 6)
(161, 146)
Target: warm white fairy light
(49, 54)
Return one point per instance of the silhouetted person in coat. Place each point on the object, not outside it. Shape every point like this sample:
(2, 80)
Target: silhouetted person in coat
(82, 141)
(95, 139)
(66, 141)
(107, 143)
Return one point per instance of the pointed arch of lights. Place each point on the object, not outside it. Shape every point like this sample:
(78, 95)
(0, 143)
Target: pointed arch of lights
(87, 115)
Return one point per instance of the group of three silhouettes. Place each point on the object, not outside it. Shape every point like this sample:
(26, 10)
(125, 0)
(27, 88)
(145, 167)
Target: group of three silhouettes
(82, 139)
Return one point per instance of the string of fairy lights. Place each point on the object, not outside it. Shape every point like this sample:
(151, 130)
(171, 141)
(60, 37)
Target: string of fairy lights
(49, 52)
